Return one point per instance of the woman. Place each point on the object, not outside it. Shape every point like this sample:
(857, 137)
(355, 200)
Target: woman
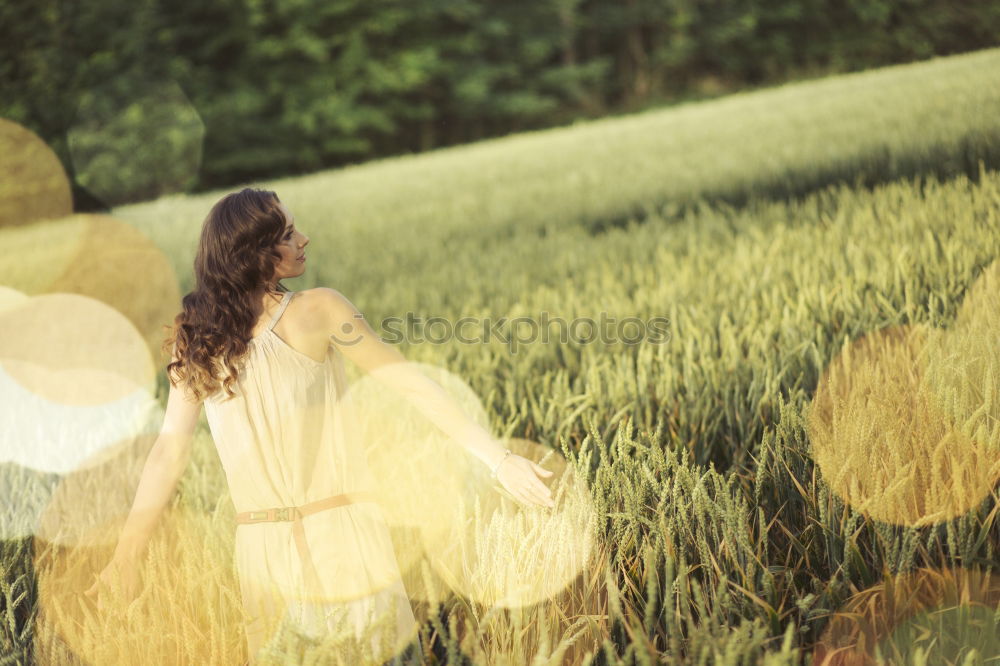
(312, 545)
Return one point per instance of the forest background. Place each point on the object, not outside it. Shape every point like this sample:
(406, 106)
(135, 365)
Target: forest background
(295, 86)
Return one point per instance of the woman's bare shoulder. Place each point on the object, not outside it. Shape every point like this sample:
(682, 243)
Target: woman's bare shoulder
(322, 297)
(329, 305)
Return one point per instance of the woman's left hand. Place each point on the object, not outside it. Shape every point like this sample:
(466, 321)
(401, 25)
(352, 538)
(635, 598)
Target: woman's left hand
(520, 477)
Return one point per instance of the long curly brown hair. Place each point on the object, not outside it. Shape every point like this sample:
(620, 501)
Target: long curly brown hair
(234, 264)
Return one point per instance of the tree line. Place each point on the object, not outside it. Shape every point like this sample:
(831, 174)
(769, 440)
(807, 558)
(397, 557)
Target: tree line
(292, 86)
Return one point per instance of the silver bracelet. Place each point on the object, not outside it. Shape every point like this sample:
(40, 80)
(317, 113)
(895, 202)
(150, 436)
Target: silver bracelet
(496, 469)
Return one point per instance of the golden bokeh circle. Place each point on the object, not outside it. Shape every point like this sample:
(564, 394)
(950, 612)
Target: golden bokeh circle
(98, 492)
(419, 470)
(188, 607)
(35, 255)
(882, 443)
(33, 183)
(11, 298)
(943, 612)
(73, 350)
(963, 366)
(503, 553)
(77, 380)
(101, 257)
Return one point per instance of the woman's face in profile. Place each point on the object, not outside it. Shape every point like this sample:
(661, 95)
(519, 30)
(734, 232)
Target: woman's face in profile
(291, 247)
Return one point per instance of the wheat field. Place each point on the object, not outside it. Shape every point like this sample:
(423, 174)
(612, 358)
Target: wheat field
(805, 471)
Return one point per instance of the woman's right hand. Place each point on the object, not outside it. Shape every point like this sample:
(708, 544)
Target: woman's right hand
(520, 477)
(123, 569)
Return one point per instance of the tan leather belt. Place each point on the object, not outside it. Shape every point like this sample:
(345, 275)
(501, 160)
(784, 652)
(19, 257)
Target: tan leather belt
(295, 514)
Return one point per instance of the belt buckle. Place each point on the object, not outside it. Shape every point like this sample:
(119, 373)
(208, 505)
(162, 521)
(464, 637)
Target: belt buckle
(285, 513)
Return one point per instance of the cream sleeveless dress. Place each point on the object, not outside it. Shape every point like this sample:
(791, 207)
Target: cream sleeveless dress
(287, 438)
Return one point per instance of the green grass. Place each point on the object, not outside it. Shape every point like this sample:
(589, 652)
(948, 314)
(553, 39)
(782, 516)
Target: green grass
(770, 228)
(936, 116)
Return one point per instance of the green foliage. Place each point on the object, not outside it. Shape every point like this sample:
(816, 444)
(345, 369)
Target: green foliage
(131, 141)
(289, 87)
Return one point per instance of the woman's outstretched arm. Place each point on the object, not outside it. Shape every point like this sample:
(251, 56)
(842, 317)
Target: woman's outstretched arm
(358, 342)
(167, 460)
